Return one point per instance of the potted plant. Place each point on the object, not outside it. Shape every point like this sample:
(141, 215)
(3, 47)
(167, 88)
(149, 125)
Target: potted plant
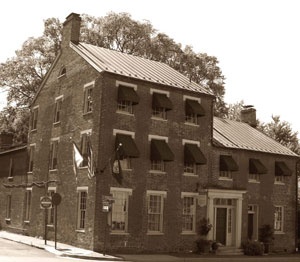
(266, 236)
(202, 244)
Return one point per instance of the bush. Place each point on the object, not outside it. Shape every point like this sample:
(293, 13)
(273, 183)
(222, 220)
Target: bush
(253, 248)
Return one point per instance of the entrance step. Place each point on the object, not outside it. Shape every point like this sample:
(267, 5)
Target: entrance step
(223, 250)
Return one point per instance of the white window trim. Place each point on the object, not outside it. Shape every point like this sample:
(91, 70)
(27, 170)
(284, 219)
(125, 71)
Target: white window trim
(87, 85)
(121, 83)
(152, 91)
(55, 139)
(186, 141)
(185, 97)
(121, 189)
(61, 97)
(189, 194)
(155, 192)
(124, 132)
(52, 188)
(82, 188)
(155, 137)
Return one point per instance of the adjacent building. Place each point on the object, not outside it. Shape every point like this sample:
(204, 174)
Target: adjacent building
(178, 163)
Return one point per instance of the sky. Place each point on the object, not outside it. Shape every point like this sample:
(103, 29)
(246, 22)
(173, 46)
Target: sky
(256, 42)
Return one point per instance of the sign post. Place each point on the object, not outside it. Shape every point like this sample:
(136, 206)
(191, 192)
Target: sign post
(56, 199)
(45, 203)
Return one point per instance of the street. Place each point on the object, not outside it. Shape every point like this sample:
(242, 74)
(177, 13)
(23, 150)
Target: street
(11, 251)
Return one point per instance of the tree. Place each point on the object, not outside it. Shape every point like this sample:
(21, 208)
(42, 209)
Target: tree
(23, 74)
(282, 132)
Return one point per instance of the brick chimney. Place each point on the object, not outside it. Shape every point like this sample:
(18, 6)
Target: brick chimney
(248, 115)
(6, 140)
(71, 30)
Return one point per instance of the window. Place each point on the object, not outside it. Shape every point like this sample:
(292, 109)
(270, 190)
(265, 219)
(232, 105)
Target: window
(160, 104)
(192, 156)
(254, 177)
(82, 206)
(225, 174)
(155, 211)
(27, 204)
(85, 147)
(53, 154)
(127, 97)
(50, 220)
(88, 98)
(34, 117)
(160, 153)
(188, 214)
(278, 219)
(119, 216)
(8, 207)
(11, 169)
(279, 179)
(57, 110)
(31, 158)
(158, 165)
(193, 110)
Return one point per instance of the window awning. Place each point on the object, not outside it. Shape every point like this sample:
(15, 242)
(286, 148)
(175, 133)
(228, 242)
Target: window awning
(227, 163)
(281, 169)
(126, 93)
(161, 151)
(193, 155)
(194, 107)
(128, 148)
(256, 167)
(161, 101)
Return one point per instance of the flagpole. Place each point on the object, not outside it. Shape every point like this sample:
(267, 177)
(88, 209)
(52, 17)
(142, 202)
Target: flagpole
(109, 160)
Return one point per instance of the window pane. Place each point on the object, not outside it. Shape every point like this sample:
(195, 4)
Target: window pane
(119, 211)
(188, 214)
(82, 209)
(155, 213)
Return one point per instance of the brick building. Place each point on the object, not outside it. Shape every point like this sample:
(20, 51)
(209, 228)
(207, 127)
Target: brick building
(170, 148)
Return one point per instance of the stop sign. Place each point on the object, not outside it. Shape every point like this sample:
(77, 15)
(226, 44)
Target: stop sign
(46, 202)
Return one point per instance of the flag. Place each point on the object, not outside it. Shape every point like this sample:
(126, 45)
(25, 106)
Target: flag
(77, 159)
(116, 169)
(91, 171)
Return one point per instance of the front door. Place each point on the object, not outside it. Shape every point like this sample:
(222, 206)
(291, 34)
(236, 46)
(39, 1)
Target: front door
(221, 222)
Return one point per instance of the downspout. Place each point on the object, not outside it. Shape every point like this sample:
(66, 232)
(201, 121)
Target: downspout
(297, 202)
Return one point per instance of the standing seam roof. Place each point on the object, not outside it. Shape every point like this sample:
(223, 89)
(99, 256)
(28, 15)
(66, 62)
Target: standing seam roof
(103, 59)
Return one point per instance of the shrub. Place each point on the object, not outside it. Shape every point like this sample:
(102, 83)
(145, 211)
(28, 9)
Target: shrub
(202, 245)
(253, 248)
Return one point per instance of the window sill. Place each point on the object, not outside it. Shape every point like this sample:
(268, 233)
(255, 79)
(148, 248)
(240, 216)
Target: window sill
(7, 219)
(159, 119)
(33, 130)
(50, 226)
(254, 181)
(56, 123)
(279, 233)
(80, 230)
(10, 179)
(190, 174)
(279, 183)
(87, 113)
(119, 233)
(226, 179)
(124, 113)
(191, 124)
(53, 170)
(29, 172)
(157, 172)
(27, 222)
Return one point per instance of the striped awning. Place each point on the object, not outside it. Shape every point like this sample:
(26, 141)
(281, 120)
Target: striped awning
(126, 93)
(256, 167)
(161, 101)
(281, 169)
(128, 147)
(160, 150)
(193, 155)
(227, 163)
(194, 107)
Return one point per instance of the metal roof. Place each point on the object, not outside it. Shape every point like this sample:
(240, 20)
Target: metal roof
(239, 135)
(112, 61)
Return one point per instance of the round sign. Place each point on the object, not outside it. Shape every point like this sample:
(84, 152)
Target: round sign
(56, 199)
(46, 202)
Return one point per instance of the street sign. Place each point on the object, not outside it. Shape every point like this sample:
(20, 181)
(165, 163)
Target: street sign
(46, 202)
(56, 199)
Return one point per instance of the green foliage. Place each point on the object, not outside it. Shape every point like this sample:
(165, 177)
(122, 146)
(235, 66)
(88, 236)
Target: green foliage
(23, 74)
(253, 248)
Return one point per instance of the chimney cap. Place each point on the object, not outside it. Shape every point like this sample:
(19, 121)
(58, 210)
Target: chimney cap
(71, 16)
(248, 106)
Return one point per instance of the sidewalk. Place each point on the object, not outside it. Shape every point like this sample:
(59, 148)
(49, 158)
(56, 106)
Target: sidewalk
(63, 250)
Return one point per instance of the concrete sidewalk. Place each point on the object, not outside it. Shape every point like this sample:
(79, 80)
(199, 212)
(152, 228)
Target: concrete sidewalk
(63, 250)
